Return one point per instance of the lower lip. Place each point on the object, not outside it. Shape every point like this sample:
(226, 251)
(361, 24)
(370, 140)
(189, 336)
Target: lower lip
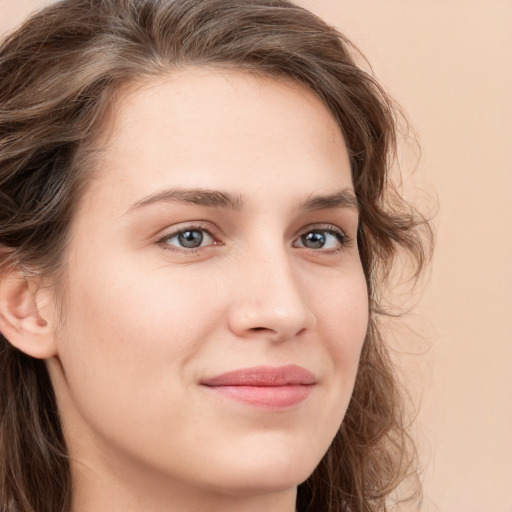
(271, 397)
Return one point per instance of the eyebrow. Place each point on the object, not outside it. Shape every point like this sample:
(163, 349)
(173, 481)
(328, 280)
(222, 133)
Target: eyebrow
(217, 199)
(202, 197)
(345, 198)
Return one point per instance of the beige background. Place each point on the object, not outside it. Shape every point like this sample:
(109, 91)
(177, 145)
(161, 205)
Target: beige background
(449, 64)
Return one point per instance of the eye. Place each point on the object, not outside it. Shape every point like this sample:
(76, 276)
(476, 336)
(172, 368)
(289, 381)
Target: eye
(189, 238)
(327, 239)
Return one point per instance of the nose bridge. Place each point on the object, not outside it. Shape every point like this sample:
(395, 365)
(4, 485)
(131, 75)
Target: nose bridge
(271, 300)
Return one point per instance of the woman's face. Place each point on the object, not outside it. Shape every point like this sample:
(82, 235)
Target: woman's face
(215, 305)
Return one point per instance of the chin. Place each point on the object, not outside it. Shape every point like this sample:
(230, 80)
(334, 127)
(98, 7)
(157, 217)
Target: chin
(264, 482)
(268, 472)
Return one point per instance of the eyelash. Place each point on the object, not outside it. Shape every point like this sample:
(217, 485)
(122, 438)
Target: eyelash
(339, 234)
(342, 238)
(189, 251)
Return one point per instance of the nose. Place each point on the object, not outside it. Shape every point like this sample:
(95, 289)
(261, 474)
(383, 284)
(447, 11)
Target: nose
(270, 301)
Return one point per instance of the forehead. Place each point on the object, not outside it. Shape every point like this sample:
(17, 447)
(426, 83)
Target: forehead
(202, 127)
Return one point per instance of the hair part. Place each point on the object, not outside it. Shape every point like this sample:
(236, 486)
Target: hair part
(60, 73)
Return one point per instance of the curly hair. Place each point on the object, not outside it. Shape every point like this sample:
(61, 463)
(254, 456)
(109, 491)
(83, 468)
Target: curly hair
(59, 73)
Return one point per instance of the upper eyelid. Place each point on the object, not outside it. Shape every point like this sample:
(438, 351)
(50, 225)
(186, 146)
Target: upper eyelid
(338, 233)
(215, 233)
(163, 241)
(172, 232)
(323, 227)
(187, 226)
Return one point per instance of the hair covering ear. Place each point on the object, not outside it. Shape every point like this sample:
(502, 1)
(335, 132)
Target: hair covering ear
(23, 316)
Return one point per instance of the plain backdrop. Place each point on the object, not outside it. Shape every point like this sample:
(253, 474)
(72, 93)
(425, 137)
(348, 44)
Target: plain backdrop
(449, 65)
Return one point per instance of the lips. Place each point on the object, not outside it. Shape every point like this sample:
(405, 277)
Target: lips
(264, 386)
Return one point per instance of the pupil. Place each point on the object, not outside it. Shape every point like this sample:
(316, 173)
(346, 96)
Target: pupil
(190, 239)
(314, 240)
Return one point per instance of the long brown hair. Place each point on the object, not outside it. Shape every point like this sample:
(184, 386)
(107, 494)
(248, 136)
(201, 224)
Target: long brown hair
(58, 74)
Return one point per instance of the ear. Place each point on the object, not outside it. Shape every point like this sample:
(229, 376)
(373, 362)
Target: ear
(25, 315)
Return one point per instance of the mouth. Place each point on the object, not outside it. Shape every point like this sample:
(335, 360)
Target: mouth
(264, 386)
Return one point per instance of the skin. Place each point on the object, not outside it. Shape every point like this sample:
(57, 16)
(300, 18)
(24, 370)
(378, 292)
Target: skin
(144, 320)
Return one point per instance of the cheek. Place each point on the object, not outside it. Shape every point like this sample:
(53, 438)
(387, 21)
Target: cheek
(133, 328)
(342, 307)
(343, 322)
(133, 302)
(127, 332)
(125, 348)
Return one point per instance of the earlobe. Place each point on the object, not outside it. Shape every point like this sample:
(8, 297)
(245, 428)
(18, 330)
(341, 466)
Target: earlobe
(24, 316)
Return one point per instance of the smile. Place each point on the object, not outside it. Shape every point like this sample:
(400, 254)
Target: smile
(264, 386)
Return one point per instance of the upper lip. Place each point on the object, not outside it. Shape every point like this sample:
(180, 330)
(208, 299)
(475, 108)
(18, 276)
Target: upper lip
(263, 376)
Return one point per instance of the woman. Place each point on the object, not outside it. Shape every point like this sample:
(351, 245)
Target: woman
(196, 223)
